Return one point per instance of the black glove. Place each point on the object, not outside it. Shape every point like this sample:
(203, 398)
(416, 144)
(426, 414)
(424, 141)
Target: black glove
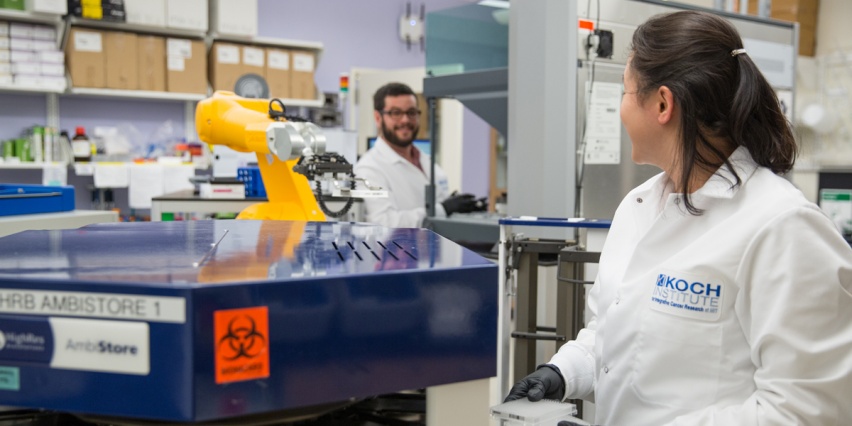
(544, 383)
(463, 203)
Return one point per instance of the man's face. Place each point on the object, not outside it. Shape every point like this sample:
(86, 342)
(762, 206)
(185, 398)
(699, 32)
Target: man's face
(399, 121)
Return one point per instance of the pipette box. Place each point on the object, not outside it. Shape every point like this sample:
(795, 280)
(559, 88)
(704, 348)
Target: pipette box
(522, 412)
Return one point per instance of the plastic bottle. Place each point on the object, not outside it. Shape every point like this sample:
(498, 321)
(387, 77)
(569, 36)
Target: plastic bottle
(81, 145)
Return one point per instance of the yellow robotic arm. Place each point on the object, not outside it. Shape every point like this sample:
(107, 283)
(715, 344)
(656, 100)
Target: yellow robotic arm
(253, 125)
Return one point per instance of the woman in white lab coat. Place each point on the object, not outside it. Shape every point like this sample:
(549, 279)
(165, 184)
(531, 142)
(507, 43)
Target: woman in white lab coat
(723, 296)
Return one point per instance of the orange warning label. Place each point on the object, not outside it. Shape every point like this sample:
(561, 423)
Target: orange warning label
(242, 344)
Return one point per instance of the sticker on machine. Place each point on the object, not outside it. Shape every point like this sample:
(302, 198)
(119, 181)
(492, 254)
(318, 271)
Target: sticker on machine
(101, 345)
(688, 295)
(241, 338)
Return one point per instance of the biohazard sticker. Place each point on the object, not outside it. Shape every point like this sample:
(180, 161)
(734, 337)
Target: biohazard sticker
(242, 344)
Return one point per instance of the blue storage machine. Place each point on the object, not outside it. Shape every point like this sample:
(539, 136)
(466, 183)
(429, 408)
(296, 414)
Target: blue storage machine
(26, 199)
(203, 320)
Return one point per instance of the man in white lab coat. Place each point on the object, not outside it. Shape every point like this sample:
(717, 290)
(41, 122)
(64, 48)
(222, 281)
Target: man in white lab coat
(395, 164)
(724, 297)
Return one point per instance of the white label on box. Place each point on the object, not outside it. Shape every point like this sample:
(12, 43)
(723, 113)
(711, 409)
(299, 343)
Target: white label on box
(227, 54)
(4, 29)
(52, 69)
(279, 60)
(85, 41)
(25, 68)
(20, 44)
(42, 45)
(179, 47)
(21, 30)
(303, 62)
(22, 56)
(44, 33)
(5, 68)
(4, 43)
(5, 56)
(101, 345)
(51, 56)
(253, 56)
(176, 63)
(95, 305)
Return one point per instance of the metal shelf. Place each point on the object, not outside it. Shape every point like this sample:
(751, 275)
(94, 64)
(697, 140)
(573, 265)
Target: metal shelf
(135, 28)
(268, 41)
(32, 17)
(137, 94)
(21, 89)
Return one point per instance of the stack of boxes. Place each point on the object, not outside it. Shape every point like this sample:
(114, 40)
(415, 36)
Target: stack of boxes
(29, 57)
(288, 73)
(132, 61)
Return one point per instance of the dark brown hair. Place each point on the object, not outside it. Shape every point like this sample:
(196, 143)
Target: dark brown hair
(390, 89)
(720, 95)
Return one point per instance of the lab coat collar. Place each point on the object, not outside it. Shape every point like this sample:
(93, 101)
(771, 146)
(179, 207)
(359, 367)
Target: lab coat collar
(720, 185)
(392, 157)
(387, 152)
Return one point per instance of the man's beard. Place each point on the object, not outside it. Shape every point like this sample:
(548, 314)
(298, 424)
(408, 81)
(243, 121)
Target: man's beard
(390, 136)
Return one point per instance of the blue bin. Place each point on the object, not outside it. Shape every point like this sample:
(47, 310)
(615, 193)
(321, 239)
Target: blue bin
(27, 199)
(253, 181)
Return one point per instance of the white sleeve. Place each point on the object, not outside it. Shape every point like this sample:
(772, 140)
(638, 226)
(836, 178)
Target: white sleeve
(795, 310)
(576, 358)
(384, 211)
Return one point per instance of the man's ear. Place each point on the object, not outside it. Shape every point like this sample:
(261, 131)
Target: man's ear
(665, 104)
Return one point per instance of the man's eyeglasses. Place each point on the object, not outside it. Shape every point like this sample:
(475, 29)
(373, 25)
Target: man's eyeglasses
(396, 114)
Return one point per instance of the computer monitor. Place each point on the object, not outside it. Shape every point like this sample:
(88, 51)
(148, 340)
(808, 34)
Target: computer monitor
(424, 145)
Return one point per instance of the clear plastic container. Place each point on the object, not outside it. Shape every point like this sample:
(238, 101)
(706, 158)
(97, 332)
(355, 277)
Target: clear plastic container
(522, 412)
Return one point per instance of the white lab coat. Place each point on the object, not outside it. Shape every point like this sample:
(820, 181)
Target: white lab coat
(406, 185)
(741, 316)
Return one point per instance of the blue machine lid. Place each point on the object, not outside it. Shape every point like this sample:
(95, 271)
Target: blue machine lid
(189, 253)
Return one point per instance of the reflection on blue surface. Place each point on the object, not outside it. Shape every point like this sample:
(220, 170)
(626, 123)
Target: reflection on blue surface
(166, 252)
(354, 310)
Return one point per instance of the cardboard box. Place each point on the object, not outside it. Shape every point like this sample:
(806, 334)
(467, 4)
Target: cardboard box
(43, 45)
(41, 32)
(4, 29)
(22, 56)
(19, 30)
(186, 66)
(225, 65)
(5, 68)
(5, 55)
(254, 60)
(236, 17)
(5, 43)
(151, 52)
(146, 12)
(21, 44)
(85, 57)
(51, 57)
(302, 84)
(187, 14)
(25, 68)
(278, 72)
(56, 70)
(121, 61)
(805, 12)
(58, 7)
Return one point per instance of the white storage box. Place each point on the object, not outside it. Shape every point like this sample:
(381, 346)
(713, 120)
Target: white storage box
(522, 412)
